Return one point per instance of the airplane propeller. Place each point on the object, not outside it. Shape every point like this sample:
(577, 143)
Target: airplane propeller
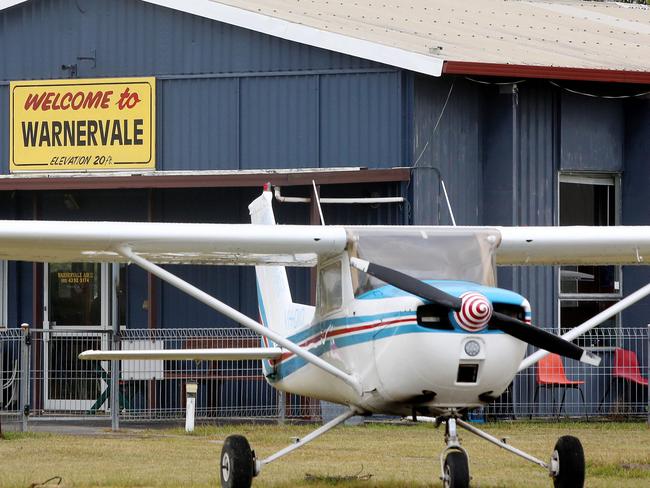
(473, 311)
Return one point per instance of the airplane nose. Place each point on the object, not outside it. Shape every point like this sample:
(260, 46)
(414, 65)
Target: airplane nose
(475, 312)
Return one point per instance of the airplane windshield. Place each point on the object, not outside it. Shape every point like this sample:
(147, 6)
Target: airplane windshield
(426, 253)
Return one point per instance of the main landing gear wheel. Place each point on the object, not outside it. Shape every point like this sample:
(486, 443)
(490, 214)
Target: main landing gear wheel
(456, 473)
(237, 463)
(568, 463)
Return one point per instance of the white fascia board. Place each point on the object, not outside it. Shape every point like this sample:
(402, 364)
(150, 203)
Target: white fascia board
(9, 3)
(311, 36)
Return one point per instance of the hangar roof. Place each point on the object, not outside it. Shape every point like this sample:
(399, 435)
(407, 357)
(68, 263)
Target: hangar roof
(539, 38)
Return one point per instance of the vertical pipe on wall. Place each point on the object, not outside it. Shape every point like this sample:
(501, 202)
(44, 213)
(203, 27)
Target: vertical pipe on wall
(152, 311)
(37, 310)
(318, 121)
(515, 154)
(152, 302)
(515, 170)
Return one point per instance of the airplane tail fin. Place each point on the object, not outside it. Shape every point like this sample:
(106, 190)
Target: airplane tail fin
(277, 310)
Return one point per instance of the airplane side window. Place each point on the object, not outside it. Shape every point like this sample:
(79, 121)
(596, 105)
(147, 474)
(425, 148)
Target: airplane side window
(330, 295)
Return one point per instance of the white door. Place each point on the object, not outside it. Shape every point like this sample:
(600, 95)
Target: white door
(76, 317)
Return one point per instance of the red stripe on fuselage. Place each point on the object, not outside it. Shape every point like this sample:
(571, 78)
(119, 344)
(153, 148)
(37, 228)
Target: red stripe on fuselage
(328, 335)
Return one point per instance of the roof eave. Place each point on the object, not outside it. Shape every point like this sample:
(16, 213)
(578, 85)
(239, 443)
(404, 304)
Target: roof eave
(547, 72)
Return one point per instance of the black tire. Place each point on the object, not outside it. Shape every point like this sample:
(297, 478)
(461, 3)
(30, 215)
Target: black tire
(456, 470)
(236, 466)
(571, 460)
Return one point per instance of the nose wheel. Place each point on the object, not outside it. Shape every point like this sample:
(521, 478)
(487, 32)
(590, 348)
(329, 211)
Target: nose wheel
(456, 470)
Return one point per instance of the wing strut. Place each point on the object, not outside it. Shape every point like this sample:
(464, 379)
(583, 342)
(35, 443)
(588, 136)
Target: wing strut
(237, 316)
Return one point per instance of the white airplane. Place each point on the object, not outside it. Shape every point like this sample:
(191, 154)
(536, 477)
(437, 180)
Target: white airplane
(408, 320)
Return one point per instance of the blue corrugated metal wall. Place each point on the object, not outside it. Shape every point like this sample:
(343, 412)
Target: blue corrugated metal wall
(454, 150)
(520, 147)
(636, 207)
(135, 38)
(592, 131)
(536, 173)
(499, 153)
(228, 98)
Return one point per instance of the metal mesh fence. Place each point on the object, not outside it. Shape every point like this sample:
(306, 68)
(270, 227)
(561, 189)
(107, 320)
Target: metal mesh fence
(41, 374)
(226, 389)
(562, 387)
(10, 375)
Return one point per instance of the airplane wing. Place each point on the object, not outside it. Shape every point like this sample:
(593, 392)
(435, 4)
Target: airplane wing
(168, 243)
(226, 354)
(296, 245)
(574, 245)
(523, 246)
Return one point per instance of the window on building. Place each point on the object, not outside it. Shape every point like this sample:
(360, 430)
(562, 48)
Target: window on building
(584, 291)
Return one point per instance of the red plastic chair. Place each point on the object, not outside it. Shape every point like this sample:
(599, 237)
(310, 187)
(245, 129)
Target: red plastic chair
(626, 367)
(550, 374)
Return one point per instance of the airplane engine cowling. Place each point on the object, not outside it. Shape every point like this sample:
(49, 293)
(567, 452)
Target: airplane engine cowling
(412, 366)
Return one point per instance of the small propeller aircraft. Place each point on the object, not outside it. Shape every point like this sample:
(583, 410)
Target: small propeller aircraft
(408, 320)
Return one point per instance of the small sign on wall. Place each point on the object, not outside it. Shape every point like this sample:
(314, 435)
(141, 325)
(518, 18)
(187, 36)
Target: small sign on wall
(140, 369)
(83, 125)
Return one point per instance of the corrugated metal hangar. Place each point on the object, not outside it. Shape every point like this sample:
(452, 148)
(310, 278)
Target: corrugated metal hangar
(531, 113)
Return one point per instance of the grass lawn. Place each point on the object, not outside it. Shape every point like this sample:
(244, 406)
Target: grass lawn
(618, 455)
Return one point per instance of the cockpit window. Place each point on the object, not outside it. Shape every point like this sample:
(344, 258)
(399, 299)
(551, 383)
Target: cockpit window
(426, 253)
(330, 293)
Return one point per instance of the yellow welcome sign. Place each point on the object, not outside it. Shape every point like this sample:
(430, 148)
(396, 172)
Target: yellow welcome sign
(83, 125)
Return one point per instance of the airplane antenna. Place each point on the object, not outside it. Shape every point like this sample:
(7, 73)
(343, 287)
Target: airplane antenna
(451, 212)
(317, 198)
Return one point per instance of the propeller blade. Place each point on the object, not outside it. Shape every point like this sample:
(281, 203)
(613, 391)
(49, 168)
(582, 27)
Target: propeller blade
(510, 325)
(542, 339)
(407, 283)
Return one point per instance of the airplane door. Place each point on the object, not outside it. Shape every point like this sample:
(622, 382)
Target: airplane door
(76, 317)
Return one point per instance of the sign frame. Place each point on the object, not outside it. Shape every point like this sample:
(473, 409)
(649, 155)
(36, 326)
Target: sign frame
(69, 110)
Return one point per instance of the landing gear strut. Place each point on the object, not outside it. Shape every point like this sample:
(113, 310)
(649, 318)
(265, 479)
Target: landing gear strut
(566, 468)
(454, 460)
(239, 466)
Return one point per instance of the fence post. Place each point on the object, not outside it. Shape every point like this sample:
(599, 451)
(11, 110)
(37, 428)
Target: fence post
(25, 350)
(115, 346)
(115, 386)
(647, 358)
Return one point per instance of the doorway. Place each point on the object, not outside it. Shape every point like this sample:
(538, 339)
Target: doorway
(77, 316)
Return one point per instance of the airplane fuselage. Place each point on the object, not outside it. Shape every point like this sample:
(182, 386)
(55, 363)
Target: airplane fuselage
(405, 354)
